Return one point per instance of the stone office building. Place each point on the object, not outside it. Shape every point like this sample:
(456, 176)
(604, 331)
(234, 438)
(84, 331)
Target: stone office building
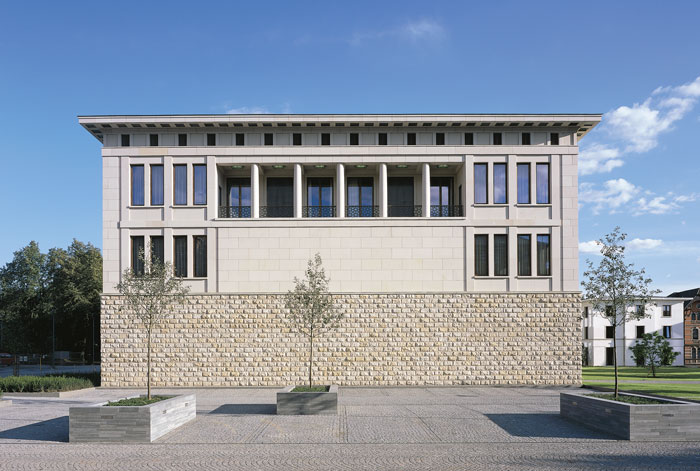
(451, 242)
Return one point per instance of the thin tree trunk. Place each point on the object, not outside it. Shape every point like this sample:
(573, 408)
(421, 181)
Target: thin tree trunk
(148, 365)
(615, 358)
(311, 355)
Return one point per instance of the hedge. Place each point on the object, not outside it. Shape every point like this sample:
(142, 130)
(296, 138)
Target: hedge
(43, 383)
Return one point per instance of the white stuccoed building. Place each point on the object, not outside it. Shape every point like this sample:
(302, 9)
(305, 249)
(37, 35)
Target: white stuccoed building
(663, 315)
(451, 242)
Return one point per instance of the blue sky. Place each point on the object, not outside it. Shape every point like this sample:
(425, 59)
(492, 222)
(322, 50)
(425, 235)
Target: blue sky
(637, 62)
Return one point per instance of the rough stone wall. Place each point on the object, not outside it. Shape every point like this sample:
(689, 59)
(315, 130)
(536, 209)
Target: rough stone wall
(384, 339)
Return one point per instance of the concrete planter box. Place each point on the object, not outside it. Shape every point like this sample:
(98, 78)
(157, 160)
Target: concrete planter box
(675, 421)
(130, 424)
(307, 403)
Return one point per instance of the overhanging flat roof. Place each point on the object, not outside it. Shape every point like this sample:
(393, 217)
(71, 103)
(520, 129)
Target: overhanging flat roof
(98, 125)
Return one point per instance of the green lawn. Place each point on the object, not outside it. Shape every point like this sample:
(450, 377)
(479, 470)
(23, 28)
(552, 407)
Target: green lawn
(688, 391)
(641, 377)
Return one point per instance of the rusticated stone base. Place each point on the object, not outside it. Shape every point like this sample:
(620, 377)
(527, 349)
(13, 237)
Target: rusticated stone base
(437, 339)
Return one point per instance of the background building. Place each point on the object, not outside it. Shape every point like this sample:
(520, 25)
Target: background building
(665, 316)
(691, 331)
(451, 242)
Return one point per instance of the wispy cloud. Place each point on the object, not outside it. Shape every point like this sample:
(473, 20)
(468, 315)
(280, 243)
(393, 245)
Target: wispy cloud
(413, 31)
(637, 245)
(636, 129)
(617, 195)
(248, 110)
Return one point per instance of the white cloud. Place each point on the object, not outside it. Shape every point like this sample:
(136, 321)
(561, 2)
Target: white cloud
(413, 31)
(636, 128)
(248, 110)
(619, 195)
(590, 246)
(644, 244)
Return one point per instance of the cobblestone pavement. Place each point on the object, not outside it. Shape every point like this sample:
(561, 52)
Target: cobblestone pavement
(382, 428)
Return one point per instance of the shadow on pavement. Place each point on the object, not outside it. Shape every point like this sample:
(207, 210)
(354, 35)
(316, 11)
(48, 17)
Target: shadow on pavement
(246, 409)
(544, 426)
(53, 430)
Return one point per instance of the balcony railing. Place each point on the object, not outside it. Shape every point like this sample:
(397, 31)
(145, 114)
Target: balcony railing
(398, 211)
(276, 211)
(234, 212)
(362, 211)
(446, 211)
(318, 211)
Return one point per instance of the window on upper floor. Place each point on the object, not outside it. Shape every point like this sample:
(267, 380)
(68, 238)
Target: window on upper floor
(481, 183)
(667, 331)
(497, 139)
(667, 310)
(153, 140)
(137, 254)
(180, 184)
(157, 249)
(585, 333)
(440, 139)
(554, 138)
(354, 139)
(211, 139)
(640, 310)
(692, 317)
(609, 311)
(500, 183)
(524, 255)
(156, 185)
(523, 171)
(500, 254)
(296, 139)
(180, 256)
(182, 140)
(269, 139)
(411, 139)
(542, 183)
(544, 254)
(695, 333)
(481, 255)
(200, 184)
(525, 138)
(325, 139)
(137, 185)
(640, 331)
(610, 332)
(126, 140)
(383, 139)
(468, 138)
(360, 199)
(585, 312)
(240, 139)
(200, 256)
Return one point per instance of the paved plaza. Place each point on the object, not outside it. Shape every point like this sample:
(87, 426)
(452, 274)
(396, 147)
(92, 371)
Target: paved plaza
(376, 428)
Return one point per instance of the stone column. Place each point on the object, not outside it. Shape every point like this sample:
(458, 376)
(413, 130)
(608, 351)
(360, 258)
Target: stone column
(255, 190)
(425, 190)
(212, 187)
(383, 192)
(298, 194)
(340, 191)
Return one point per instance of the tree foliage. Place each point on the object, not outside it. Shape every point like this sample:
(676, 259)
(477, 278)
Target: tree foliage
(310, 305)
(653, 350)
(615, 288)
(150, 296)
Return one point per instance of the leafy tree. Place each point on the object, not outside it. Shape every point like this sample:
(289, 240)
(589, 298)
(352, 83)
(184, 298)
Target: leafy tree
(638, 354)
(150, 294)
(615, 287)
(310, 305)
(655, 351)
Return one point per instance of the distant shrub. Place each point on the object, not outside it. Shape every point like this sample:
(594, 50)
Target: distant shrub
(94, 378)
(43, 383)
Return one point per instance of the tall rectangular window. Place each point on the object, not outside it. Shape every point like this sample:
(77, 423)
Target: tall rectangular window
(609, 331)
(481, 255)
(554, 138)
(497, 139)
(153, 140)
(667, 310)
(481, 183)
(200, 184)
(383, 139)
(126, 140)
(440, 139)
(411, 139)
(360, 197)
(156, 185)
(524, 256)
(544, 252)
(640, 331)
(182, 140)
(296, 139)
(667, 331)
(180, 256)
(137, 251)
(319, 197)
(585, 312)
(500, 254)
(157, 249)
(525, 138)
(325, 139)
(468, 138)
(180, 184)
(500, 183)
(200, 256)
(542, 183)
(137, 188)
(240, 139)
(523, 183)
(211, 139)
(354, 139)
(239, 197)
(269, 140)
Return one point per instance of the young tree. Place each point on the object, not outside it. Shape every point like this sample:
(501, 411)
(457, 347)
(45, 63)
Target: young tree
(150, 292)
(615, 287)
(310, 305)
(655, 351)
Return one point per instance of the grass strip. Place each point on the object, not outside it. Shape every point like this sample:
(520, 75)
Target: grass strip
(311, 389)
(22, 384)
(138, 401)
(628, 399)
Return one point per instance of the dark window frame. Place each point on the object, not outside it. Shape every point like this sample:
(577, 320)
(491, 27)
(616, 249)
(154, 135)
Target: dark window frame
(468, 138)
(180, 270)
(325, 138)
(524, 270)
(666, 309)
(354, 139)
(195, 167)
(638, 332)
(666, 330)
(161, 189)
(268, 139)
(175, 182)
(211, 139)
(411, 139)
(240, 139)
(200, 271)
(497, 269)
(554, 138)
(505, 166)
(383, 139)
(526, 139)
(153, 140)
(157, 250)
(610, 332)
(143, 185)
(296, 139)
(547, 269)
(497, 139)
(481, 269)
(126, 140)
(439, 138)
(182, 140)
(549, 183)
(518, 166)
(486, 183)
(137, 264)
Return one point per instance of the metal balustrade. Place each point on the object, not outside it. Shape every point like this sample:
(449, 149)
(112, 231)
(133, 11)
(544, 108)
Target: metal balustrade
(276, 211)
(399, 211)
(362, 211)
(234, 212)
(446, 211)
(318, 211)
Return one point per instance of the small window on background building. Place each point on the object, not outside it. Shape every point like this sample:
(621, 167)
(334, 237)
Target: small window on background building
(200, 184)
(296, 139)
(211, 139)
(497, 139)
(180, 256)
(640, 310)
(468, 138)
(500, 183)
(608, 311)
(692, 317)
(524, 255)
(126, 140)
(585, 312)
(180, 184)
(354, 139)
(667, 310)
(500, 255)
(137, 251)
(137, 185)
(610, 332)
(585, 333)
(480, 183)
(200, 256)
(157, 249)
(268, 139)
(156, 185)
(411, 139)
(481, 255)
(523, 183)
(667, 331)
(640, 331)
(153, 140)
(526, 138)
(325, 139)
(240, 139)
(182, 140)
(440, 139)
(383, 139)
(542, 171)
(543, 255)
(695, 334)
(554, 138)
